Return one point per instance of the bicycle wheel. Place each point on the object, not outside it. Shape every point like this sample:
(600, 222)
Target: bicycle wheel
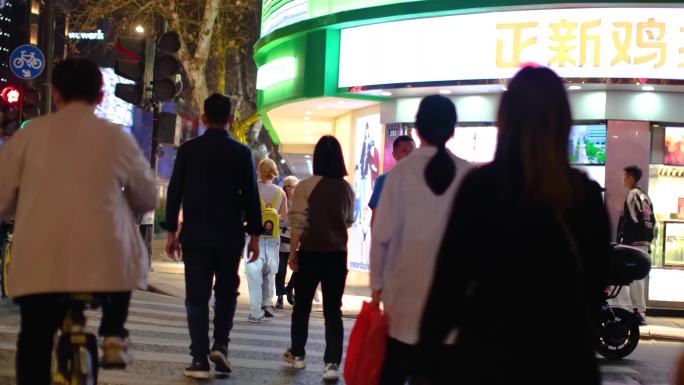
(75, 360)
(36, 63)
(5, 252)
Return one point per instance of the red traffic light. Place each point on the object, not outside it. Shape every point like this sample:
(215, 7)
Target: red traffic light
(11, 95)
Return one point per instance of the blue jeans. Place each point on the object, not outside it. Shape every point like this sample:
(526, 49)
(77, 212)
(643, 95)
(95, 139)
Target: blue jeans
(261, 275)
(201, 267)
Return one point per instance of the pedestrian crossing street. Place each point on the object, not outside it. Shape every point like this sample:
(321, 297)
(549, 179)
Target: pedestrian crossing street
(160, 341)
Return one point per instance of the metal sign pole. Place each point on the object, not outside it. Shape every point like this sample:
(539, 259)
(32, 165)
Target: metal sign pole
(48, 48)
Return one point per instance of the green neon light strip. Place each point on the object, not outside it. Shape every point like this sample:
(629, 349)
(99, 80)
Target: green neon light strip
(415, 9)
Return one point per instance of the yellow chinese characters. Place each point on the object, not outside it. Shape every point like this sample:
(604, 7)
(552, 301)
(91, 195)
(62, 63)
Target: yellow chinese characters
(563, 36)
(518, 44)
(634, 43)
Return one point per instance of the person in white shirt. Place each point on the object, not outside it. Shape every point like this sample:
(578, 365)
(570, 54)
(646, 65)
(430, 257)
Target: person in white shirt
(261, 273)
(410, 221)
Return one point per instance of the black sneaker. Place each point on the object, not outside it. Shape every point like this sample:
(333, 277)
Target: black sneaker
(268, 311)
(279, 303)
(219, 356)
(199, 369)
(290, 296)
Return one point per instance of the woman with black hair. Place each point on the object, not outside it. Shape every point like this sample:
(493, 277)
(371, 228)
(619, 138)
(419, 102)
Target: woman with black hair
(411, 218)
(322, 211)
(524, 260)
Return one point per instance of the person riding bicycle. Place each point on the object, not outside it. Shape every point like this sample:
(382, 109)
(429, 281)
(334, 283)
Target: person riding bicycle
(70, 181)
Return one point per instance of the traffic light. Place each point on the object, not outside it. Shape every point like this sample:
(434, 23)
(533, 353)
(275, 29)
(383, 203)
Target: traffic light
(10, 118)
(136, 66)
(30, 109)
(166, 84)
(12, 96)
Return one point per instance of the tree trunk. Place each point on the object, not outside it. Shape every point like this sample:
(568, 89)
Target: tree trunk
(200, 92)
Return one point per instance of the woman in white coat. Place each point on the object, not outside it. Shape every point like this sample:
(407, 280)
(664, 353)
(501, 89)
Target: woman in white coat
(70, 181)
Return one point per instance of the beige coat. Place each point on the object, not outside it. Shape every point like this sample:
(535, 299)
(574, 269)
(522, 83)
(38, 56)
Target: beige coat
(71, 181)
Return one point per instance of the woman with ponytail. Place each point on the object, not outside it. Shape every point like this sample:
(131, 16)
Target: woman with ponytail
(411, 217)
(524, 261)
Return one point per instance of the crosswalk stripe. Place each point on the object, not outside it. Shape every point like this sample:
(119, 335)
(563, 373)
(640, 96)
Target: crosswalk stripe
(232, 347)
(136, 309)
(278, 320)
(121, 377)
(13, 330)
(176, 358)
(261, 327)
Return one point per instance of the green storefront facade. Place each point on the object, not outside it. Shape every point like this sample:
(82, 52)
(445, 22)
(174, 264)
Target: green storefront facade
(357, 69)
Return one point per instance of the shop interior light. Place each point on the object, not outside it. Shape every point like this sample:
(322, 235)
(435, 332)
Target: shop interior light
(307, 118)
(341, 102)
(575, 87)
(445, 92)
(385, 93)
(320, 107)
(308, 113)
(648, 88)
(139, 29)
(282, 161)
(504, 88)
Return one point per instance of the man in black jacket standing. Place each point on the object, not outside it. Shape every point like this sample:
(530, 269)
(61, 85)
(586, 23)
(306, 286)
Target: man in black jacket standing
(214, 180)
(635, 229)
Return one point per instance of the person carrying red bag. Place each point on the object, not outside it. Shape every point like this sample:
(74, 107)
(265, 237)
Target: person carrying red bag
(408, 229)
(366, 349)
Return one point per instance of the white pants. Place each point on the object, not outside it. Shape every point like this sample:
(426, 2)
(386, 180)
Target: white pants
(633, 296)
(261, 276)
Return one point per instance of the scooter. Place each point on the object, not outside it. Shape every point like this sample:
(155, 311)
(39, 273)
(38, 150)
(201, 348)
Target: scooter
(618, 331)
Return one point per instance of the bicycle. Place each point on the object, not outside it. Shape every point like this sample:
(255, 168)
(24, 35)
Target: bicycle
(75, 353)
(5, 258)
(29, 59)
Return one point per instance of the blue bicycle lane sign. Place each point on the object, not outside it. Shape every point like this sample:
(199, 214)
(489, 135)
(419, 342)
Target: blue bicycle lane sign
(27, 61)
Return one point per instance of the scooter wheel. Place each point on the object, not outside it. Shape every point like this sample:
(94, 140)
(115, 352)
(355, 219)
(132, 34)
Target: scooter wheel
(618, 333)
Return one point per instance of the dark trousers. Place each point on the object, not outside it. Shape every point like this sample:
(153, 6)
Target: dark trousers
(42, 315)
(404, 362)
(282, 272)
(330, 269)
(201, 267)
(400, 363)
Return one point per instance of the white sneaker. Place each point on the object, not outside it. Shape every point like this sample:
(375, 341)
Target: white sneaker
(297, 362)
(115, 353)
(255, 320)
(317, 296)
(331, 372)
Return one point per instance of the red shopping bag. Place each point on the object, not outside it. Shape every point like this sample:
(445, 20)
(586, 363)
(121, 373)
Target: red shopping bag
(366, 350)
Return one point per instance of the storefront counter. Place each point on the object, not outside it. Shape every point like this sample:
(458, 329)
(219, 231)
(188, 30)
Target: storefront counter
(666, 280)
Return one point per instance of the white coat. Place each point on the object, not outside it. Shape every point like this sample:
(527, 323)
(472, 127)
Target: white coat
(71, 182)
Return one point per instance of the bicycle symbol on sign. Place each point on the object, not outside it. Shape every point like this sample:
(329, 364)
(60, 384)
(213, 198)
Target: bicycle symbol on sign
(27, 62)
(28, 59)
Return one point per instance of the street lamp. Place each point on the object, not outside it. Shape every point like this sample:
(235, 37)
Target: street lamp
(140, 29)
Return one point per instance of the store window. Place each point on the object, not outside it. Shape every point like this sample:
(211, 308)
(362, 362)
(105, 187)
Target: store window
(666, 188)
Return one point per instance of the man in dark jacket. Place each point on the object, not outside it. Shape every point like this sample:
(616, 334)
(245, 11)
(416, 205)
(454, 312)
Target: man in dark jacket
(635, 229)
(215, 181)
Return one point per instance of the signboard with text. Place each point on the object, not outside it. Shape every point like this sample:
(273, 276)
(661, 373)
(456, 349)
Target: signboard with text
(576, 43)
